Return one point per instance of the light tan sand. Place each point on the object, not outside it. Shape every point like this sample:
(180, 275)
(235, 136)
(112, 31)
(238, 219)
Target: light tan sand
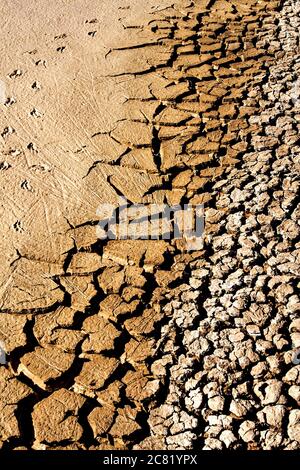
(62, 106)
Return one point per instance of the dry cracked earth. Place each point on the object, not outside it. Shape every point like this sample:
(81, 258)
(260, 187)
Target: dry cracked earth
(140, 344)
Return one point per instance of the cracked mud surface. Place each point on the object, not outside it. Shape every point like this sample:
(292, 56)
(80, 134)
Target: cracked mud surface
(139, 344)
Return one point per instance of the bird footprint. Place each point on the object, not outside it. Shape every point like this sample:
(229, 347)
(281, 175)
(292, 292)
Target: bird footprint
(4, 166)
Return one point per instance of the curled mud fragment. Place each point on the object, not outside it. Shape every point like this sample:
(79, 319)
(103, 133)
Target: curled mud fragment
(55, 418)
(45, 365)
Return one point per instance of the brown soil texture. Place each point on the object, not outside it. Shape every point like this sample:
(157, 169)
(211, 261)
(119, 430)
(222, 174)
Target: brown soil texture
(140, 344)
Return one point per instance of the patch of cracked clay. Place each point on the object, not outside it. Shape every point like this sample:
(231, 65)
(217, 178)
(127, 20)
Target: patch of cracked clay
(139, 344)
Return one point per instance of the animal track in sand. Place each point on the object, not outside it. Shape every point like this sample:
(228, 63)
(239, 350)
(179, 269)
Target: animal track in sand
(26, 185)
(16, 73)
(9, 102)
(36, 113)
(36, 86)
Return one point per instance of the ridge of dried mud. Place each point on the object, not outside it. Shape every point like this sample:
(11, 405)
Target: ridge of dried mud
(139, 344)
